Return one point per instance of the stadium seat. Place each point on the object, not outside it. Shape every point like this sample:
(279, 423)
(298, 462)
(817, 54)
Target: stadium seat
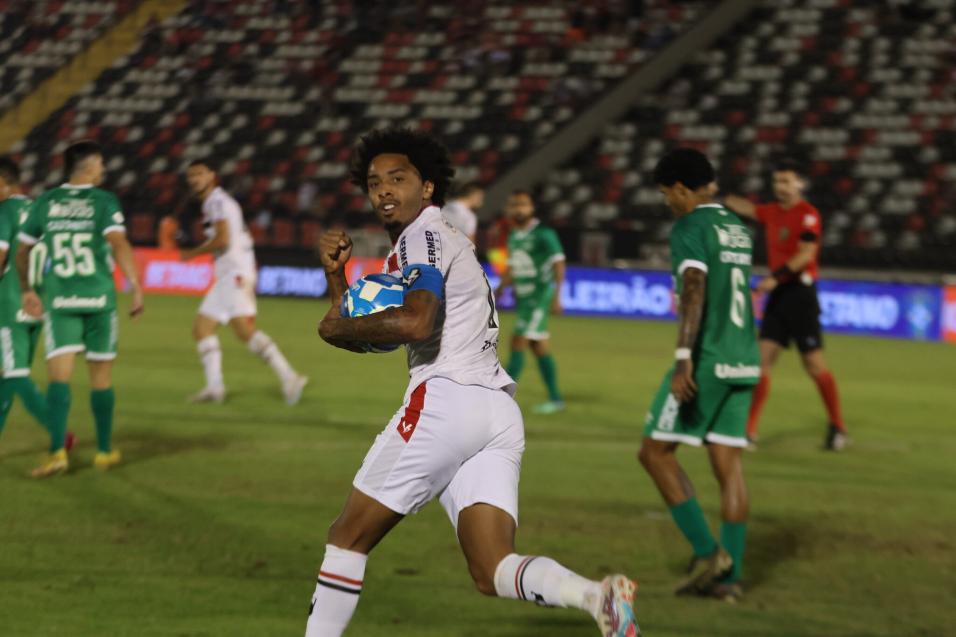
(37, 38)
(867, 115)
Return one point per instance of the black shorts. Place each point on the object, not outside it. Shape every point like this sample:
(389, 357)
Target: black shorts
(793, 312)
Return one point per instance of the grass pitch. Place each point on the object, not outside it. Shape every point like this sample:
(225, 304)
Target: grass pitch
(215, 523)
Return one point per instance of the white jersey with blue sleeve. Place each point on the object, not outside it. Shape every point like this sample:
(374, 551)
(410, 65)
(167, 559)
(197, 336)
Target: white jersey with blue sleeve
(431, 254)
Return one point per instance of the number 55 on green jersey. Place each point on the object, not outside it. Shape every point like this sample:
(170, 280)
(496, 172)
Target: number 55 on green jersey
(79, 295)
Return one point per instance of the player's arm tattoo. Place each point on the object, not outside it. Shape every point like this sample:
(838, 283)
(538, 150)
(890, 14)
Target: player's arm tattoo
(413, 321)
(691, 308)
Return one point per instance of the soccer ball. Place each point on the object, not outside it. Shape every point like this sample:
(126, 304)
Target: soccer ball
(370, 294)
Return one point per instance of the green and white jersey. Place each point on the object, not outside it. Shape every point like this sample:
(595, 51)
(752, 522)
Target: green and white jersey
(532, 253)
(13, 212)
(72, 223)
(713, 239)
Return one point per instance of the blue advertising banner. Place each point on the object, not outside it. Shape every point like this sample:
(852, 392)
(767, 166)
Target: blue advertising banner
(882, 309)
(848, 307)
(616, 293)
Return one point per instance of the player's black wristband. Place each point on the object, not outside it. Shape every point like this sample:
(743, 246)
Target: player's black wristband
(783, 273)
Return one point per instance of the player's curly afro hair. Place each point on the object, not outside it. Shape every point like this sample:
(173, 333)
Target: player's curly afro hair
(685, 165)
(428, 155)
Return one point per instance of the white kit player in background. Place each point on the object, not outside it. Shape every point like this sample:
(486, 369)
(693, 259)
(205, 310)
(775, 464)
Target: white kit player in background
(459, 436)
(232, 298)
(460, 211)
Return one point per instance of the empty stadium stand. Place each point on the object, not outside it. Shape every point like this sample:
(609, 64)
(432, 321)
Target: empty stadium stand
(276, 93)
(39, 36)
(861, 93)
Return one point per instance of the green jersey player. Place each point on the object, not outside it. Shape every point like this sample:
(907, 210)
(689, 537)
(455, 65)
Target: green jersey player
(536, 272)
(705, 397)
(18, 332)
(82, 228)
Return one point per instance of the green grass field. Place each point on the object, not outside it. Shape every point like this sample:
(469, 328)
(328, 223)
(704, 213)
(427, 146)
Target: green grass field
(215, 523)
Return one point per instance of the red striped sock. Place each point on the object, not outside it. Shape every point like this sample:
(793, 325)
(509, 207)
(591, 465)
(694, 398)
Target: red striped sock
(337, 592)
(756, 405)
(828, 392)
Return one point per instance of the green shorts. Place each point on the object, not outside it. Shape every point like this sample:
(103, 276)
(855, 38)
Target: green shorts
(97, 333)
(718, 414)
(532, 316)
(18, 344)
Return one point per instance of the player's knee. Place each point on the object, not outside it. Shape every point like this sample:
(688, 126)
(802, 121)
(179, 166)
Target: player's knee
(201, 331)
(245, 329)
(646, 455)
(814, 365)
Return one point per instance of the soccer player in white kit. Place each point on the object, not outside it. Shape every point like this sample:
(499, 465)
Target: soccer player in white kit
(460, 211)
(232, 298)
(459, 435)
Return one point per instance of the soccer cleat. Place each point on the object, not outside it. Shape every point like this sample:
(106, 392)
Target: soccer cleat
(615, 615)
(209, 395)
(292, 388)
(57, 462)
(729, 592)
(69, 442)
(106, 460)
(704, 572)
(550, 407)
(836, 439)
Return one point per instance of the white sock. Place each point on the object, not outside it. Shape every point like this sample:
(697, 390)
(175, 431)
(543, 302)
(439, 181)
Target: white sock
(545, 582)
(211, 356)
(265, 348)
(336, 592)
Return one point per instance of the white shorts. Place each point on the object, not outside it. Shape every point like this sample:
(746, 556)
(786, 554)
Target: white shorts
(230, 297)
(461, 443)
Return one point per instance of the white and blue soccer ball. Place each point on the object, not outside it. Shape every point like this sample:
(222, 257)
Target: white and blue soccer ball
(370, 294)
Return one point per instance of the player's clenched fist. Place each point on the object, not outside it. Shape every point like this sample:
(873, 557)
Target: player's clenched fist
(335, 248)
